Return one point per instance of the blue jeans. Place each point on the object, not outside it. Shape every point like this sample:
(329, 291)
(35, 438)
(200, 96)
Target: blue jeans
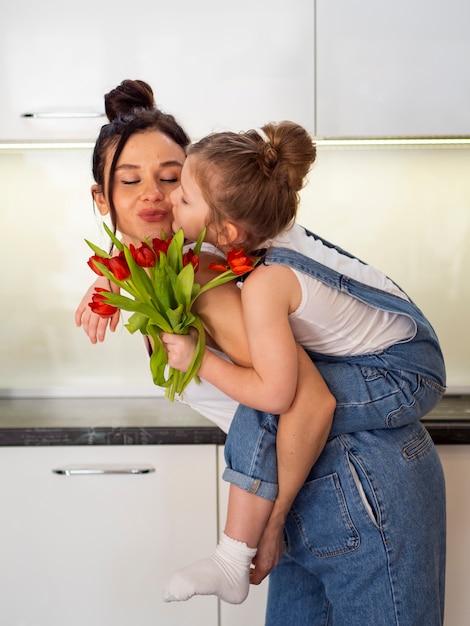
(365, 539)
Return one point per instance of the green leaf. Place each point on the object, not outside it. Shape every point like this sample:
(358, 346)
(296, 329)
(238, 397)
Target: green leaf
(140, 278)
(137, 321)
(226, 277)
(148, 310)
(200, 239)
(198, 356)
(118, 244)
(174, 317)
(175, 251)
(97, 250)
(158, 359)
(163, 298)
(184, 286)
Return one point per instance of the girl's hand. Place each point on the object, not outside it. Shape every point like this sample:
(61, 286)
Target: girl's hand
(180, 349)
(94, 325)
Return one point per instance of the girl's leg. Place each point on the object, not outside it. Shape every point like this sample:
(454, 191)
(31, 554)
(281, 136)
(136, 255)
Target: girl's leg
(250, 451)
(301, 436)
(226, 573)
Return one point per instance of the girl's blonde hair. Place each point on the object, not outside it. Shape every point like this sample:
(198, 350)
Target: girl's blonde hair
(253, 178)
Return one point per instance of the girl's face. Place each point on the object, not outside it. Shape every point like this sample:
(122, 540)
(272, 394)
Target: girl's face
(190, 210)
(147, 171)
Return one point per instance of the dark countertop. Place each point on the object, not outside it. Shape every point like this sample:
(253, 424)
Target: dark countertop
(149, 421)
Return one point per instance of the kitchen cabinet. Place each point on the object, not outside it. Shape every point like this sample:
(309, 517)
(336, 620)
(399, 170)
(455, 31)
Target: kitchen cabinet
(456, 463)
(213, 65)
(392, 68)
(96, 549)
(253, 610)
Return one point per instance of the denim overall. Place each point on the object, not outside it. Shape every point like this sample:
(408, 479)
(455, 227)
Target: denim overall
(365, 538)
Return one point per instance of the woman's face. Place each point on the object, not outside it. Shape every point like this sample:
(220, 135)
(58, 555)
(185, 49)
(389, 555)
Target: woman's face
(190, 210)
(147, 171)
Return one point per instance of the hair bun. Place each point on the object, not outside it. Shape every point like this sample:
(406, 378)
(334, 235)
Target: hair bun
(269, 157)
(127, 97)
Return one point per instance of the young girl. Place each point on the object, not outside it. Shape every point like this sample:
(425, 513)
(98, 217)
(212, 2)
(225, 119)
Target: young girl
(137, 163)
(366, 534)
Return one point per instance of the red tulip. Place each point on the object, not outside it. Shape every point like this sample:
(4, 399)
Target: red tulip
(99, 305)
(143, 256)
(118, 266)
(237, 262)
(92, 263)
(160, 245)
(190, 257)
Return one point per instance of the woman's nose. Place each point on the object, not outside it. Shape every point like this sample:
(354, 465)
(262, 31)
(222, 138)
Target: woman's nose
(153, 192)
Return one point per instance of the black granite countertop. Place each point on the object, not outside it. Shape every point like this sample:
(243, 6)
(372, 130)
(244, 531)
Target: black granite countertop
(102, 421)
(149, 421)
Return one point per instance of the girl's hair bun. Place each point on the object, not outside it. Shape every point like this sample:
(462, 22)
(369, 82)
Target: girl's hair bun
(127, 97)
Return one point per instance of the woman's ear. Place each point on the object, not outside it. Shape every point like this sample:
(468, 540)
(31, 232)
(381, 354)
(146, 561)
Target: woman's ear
(99, 199)
(231, 235)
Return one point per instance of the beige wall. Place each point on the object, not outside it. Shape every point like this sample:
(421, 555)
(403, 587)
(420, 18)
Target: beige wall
(405, 210)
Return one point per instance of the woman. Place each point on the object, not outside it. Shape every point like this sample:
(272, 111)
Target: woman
(136, 164)
(366, 533)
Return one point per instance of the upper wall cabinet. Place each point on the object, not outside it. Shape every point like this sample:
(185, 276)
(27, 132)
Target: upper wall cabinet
(392, 68)
(214, 65)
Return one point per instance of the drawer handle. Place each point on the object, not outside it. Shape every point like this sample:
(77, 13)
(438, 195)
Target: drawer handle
(85, 470)
(62, 114)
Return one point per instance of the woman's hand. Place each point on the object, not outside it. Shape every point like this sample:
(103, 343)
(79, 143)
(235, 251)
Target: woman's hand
(269, 551)
(180, 349)
(94, 325)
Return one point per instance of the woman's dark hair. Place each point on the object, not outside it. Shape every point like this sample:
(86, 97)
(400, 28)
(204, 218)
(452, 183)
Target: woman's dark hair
(130, 108)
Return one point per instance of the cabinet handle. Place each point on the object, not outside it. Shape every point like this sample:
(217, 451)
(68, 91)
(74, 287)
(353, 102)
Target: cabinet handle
(84, 470)
(61, 114)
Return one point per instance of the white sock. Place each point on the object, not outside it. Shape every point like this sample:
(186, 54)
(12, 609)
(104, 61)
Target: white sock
(225, 574)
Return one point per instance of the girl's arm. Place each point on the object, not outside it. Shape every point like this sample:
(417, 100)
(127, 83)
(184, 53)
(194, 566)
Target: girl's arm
(268, 296)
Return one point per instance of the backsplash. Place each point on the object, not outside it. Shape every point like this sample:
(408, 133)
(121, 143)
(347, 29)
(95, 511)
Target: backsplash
(406, 210)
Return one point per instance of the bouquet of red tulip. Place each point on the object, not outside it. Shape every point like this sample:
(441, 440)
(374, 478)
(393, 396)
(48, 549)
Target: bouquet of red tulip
(160, 278)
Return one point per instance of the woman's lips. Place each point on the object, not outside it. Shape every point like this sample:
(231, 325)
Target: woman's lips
(150, 215)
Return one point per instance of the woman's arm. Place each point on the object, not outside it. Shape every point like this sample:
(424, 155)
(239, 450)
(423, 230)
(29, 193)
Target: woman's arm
(94, 325)
(302, 431)
(301, 436)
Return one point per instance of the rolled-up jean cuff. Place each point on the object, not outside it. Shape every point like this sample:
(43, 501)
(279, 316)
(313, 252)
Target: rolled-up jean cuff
(256, 486)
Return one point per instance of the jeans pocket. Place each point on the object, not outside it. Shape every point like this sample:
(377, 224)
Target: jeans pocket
(418, 445)
(322, 518)
(364, 491)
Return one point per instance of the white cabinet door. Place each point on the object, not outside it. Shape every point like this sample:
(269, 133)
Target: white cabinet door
(252, 611)
(392, 68)
(212, 64)
(96, 549)
(456, 462)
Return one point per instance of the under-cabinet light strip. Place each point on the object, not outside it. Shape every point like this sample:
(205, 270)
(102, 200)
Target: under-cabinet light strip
(392, 141)
(58, 145)
(320, 141)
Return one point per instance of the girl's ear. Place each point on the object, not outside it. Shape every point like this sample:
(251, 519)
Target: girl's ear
(231, 235)
(99, 199)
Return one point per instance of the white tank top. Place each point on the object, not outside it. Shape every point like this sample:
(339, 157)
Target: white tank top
(334, 323)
